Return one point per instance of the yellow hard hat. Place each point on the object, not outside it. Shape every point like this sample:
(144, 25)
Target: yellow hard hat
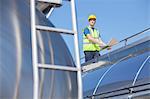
(91, 17)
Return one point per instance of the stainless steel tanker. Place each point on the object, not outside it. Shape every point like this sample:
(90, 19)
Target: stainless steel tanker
(126, 77)
(16, 71)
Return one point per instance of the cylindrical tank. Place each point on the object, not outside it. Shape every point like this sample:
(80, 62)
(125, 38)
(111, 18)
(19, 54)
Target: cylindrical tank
(128, 77)
(16, 71)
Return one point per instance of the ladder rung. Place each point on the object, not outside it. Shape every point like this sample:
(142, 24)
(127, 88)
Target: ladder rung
(58, 67)
(52, 29)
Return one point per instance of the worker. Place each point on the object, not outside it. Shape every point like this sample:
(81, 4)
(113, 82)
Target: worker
(92, 43)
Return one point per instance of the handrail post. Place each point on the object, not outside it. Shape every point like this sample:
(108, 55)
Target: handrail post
(125, 42)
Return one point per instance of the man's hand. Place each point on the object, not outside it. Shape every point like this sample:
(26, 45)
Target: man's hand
(109, 48)
(112, 43)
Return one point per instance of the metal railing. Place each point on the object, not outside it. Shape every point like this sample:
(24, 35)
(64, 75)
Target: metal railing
(129, 91)
(127, 39)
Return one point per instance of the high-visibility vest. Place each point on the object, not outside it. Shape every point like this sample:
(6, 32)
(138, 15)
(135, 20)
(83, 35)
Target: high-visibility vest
(89, 45)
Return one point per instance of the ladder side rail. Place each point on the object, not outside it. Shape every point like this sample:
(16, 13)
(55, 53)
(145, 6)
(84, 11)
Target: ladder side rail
(34, 50)
(79, 73)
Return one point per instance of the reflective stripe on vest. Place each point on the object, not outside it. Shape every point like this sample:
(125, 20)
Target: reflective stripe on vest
(87, 44)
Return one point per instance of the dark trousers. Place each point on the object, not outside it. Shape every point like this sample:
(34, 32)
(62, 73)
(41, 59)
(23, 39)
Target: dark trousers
(89, 55)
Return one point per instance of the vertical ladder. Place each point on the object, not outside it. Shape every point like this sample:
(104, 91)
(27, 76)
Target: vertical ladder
(37, 65)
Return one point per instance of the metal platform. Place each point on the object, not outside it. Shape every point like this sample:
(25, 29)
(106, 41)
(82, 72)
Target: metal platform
(126, 52)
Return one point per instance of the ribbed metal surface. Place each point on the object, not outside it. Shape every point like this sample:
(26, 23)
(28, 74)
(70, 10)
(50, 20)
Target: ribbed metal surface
(125, 78)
